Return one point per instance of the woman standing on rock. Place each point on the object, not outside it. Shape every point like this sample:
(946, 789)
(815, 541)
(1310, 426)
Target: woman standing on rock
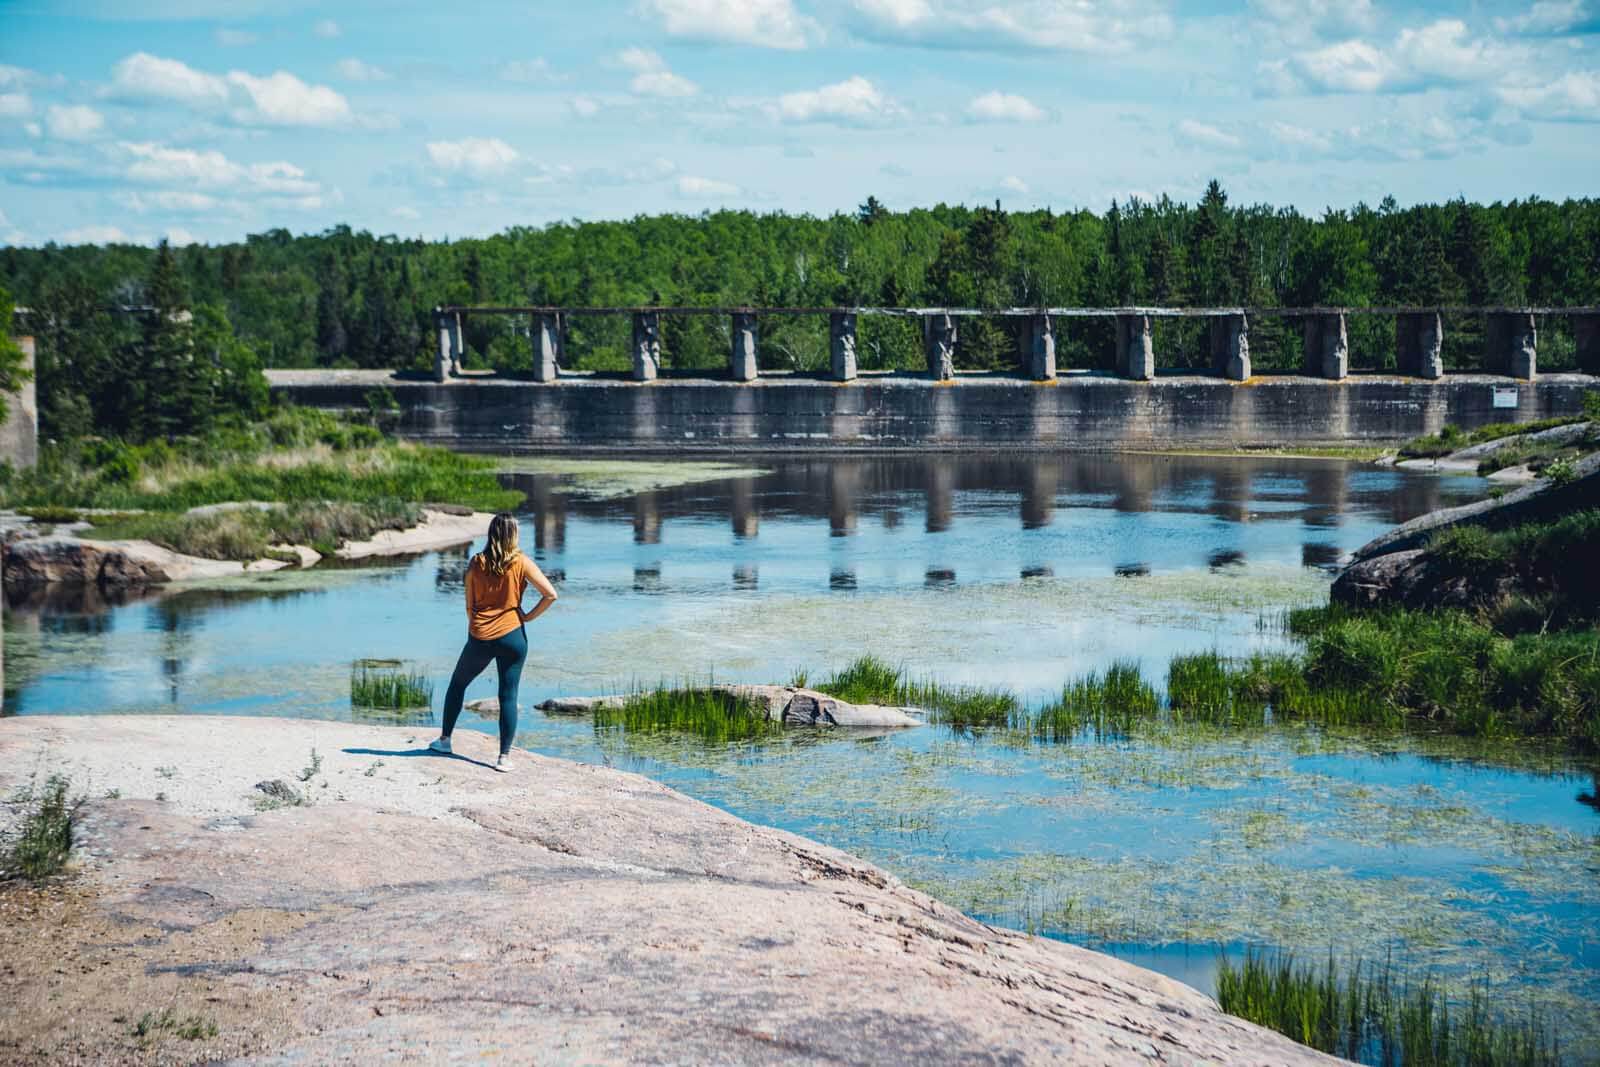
(497, 578)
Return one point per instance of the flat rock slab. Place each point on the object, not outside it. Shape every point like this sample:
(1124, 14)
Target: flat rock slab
(438, 529)
(423, 907)
(788, 704)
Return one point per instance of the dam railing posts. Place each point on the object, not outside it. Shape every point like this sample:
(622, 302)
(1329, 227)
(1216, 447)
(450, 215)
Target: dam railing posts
(1510, 337)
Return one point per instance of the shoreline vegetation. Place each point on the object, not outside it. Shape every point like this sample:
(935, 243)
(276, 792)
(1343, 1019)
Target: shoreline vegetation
(297, 477)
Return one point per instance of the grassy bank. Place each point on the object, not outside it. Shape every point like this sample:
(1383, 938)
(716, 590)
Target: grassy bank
(337, 479)
(1365, 1015)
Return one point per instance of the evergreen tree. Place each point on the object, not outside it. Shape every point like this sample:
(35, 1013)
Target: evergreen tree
(175, 388)
(333, 340)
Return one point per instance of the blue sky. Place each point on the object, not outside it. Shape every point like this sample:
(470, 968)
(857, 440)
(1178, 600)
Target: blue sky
(207, 121)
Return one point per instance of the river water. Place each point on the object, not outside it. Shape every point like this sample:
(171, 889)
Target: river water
(1166, 849)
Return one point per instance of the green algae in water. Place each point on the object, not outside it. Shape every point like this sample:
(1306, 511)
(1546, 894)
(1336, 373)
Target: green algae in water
(609, 479)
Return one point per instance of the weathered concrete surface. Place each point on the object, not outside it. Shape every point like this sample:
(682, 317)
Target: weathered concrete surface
(423, 907)
(976, 412)
(19, 433)
(1538, 500)
(788, 704)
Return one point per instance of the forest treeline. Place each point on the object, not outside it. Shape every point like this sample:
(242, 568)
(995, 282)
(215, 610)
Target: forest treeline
(346, 298)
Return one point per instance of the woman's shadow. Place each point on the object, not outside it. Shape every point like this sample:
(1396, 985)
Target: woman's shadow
(408, 752)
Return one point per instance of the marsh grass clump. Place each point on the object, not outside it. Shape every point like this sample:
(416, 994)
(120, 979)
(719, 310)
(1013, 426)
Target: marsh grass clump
(710, 715)
(40, 843)
(1365, 1015)
(191, 1028)
(870, 680)
(1108, 704)
(387, 684)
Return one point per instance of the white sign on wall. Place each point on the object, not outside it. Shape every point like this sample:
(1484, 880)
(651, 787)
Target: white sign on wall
(1505, 398)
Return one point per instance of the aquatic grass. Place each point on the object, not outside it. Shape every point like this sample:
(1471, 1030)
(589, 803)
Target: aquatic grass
(39, 845)
(870, 680)
(386, 684)
(1367, 1015)
(1104, 704)
(714, 716)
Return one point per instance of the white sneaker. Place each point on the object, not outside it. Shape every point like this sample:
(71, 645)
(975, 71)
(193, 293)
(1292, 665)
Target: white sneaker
(440, 744)
(504, 764)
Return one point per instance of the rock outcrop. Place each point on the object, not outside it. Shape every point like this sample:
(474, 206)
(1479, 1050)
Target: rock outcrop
(78, 561)
(1413, 578)
(420, 908)
(788, 704)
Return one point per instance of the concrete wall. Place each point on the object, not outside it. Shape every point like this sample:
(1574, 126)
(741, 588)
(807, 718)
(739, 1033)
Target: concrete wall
(19, 434)
(1088, 412)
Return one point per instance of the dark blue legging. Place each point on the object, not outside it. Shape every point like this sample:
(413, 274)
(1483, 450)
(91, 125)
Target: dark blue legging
(507, 652)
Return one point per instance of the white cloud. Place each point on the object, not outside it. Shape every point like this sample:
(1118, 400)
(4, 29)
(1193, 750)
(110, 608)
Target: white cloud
(149, 163)
(585, 107)
(278, 99)
(528, 70)
(473, 157)
(172, 201)
(147, 77)
(1546, 17)
(281, 99)
(764, 23)
(1440, 53)
(1298, 137)
(1004, 107)
(326, 28)
(73, 122)
(15, 77)
(15, 105)
(1443, 51)
(651, 76)
(854, 101)
(1076, 26)
(1203, 135)
(1574, 97)
(405, 211)
(355, 70)
(1013, 184)
(234, 38)
(179, 237)
(1309, 19)
(705, 188)
(94, 235)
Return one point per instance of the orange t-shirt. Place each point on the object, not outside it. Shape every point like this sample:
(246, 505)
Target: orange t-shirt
(494, 601)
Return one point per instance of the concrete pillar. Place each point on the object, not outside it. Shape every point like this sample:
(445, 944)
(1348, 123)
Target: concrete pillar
(742, 357)
(1586, 336)
(1327, 346)
(19, 434)
(546, 346)
(1136, 355)
(458, 346)
(1037, 341)
(1230, 346)
(441, 362)
(842, 345)
(1419, 345)
(939, 339)
(646, 346)
(1511, 345)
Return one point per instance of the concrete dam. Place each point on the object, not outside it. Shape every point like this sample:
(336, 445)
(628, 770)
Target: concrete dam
(1136, 406)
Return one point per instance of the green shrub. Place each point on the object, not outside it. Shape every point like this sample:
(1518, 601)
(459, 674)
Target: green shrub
(387, 684)
(40, 844)
(711, 715)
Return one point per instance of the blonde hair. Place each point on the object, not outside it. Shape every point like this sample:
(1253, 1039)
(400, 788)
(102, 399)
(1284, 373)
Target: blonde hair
(501, 550)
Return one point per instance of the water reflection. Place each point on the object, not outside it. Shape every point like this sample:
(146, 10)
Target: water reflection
(1313, 493)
